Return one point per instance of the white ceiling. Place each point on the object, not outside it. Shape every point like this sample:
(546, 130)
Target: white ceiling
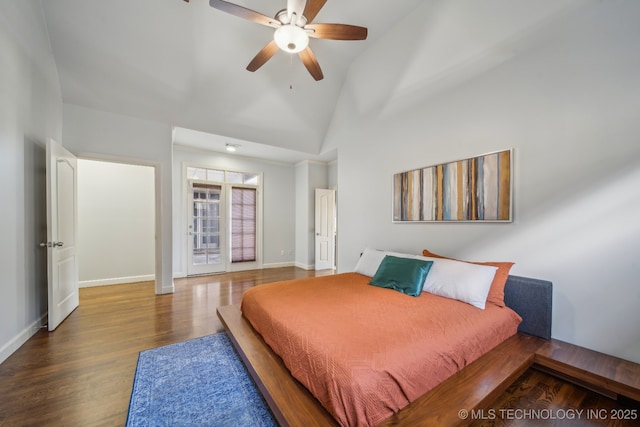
(184, 64)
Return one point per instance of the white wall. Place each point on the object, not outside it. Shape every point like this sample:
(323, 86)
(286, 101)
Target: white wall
(277, 212)
(100, 135)
(302, 257)
(558, 82)
(309, 176)
(332, 174)
(116, 227)
(30, 111)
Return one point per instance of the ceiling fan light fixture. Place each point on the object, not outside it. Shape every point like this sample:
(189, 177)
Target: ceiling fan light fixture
(291, 38)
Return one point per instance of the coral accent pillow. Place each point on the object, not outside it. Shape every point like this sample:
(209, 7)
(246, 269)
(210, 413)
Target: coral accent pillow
(496, 291)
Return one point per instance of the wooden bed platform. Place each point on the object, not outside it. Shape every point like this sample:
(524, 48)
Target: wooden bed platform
(474, 387)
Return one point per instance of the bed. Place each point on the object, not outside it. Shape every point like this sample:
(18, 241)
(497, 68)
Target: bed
(365, 353)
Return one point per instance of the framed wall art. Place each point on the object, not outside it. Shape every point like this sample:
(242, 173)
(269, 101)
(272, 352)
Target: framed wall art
(474, 189)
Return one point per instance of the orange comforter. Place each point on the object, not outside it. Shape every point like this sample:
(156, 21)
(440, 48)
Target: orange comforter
(366, 352)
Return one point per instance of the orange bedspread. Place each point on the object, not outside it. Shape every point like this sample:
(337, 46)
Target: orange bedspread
(366, 352)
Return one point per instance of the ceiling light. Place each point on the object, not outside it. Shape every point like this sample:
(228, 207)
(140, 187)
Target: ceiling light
(231, 147)
(291, 38)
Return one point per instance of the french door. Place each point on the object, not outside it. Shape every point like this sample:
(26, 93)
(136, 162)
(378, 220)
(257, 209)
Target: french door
(207, 249)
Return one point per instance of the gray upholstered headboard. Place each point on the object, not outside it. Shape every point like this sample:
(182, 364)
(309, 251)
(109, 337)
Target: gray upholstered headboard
(531, 299)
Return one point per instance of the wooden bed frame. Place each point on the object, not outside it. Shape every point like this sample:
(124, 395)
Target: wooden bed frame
(474, 387)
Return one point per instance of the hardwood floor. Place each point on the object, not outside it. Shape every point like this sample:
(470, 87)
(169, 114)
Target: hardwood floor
(537, 398)
(82, 373)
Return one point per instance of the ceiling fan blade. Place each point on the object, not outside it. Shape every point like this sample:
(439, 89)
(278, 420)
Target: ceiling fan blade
(244, 13)
(263, 56)
(311, 63)
(312, 9)
(337, 31)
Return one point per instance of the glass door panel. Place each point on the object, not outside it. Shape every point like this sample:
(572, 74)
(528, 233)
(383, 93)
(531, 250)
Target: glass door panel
(206, 241)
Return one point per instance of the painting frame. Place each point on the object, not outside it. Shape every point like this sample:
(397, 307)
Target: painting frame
(476, 189)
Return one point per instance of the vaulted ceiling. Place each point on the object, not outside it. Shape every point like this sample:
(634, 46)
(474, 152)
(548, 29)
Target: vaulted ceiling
(184, 64)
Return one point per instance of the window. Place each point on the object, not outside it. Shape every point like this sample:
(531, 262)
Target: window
(216, 175)
(243, 224)
(234, 177)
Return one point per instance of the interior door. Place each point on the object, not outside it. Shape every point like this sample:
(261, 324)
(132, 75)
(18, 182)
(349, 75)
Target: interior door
(62, 225)
(207, 253)
(325, 229)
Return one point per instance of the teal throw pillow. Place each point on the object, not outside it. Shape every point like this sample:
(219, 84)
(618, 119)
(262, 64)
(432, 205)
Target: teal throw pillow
(406, 275)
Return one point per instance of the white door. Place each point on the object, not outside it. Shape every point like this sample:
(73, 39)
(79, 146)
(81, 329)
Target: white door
(206, 234)
(325, 230)
(62, 225)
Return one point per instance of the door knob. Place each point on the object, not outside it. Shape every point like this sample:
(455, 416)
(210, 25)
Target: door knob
(51, 244)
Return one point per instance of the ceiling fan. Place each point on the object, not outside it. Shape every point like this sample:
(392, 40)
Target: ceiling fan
(293, 29)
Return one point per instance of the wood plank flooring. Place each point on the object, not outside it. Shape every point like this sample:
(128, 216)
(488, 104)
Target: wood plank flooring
(539, 399)
(82, 373)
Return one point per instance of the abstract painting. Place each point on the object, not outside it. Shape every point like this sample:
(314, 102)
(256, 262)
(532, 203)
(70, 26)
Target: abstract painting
(474, 189)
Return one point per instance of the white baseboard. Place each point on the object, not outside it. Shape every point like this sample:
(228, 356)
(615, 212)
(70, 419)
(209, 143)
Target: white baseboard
(305, 266)
(180, 275)
(9, 348)
(278, 264)
(116, 281)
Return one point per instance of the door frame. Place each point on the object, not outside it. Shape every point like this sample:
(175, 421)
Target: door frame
(161, 274)
(184, 217)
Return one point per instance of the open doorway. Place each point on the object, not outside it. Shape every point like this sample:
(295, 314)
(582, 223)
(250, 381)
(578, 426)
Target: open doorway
(116, 223)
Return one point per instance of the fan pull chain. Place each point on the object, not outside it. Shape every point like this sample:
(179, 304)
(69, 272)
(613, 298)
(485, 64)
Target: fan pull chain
(291, 72)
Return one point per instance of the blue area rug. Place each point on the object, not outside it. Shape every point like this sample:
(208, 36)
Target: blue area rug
(200, 382)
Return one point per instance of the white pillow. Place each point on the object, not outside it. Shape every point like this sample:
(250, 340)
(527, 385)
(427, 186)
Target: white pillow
(371, 258)
(458, 280)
